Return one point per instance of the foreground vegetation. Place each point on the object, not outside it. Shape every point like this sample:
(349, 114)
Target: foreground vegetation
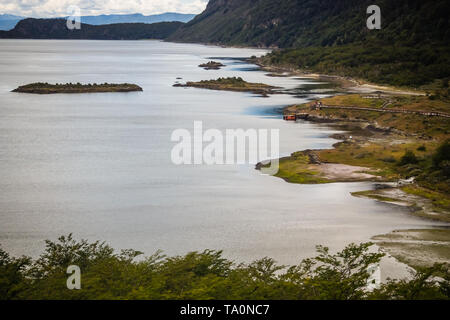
(46, 88)
(231, 84)
(206, 275)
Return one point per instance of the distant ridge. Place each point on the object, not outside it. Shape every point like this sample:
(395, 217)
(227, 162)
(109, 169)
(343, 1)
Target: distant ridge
(57, 29)
(137, 18)
(8, 21)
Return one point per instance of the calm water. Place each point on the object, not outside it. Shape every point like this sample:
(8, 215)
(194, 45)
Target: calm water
(98, 165)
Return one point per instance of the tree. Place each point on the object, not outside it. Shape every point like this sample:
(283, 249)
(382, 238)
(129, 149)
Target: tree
(442, 154)
(205, 275)
(12, 275)
(427, 284)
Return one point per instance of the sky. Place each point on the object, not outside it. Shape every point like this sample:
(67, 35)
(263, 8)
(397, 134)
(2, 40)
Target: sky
(58, 8)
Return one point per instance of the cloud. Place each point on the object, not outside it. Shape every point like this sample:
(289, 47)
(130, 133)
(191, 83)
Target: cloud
(58, 8)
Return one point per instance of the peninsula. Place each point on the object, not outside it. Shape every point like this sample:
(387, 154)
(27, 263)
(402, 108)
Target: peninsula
(47, 88)
(398, 139)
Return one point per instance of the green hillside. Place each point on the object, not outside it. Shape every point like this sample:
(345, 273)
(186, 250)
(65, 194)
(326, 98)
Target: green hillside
(328, 36)
(300, 23)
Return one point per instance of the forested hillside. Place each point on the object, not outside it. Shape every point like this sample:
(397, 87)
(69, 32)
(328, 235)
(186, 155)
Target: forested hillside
(328, 36)
(426, 67)
(300, 23)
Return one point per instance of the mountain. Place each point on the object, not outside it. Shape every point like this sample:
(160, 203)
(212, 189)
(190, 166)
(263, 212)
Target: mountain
(137, 18)
(303, 23)
(412, 48)
(8, 21)
(57, 29)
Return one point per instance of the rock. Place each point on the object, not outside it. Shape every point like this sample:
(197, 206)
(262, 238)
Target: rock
(339, 136)
(373, 128)
(313, 157)
(212, 65)
(382, 186)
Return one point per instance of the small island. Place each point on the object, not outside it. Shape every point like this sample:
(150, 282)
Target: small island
(212, 65)
(232, 84)
(47, 88)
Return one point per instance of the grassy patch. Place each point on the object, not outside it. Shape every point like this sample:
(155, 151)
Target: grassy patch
(440, 201)
(436, 127)
(371, 155)
(353, 100)
(297, 169)
(372, 195)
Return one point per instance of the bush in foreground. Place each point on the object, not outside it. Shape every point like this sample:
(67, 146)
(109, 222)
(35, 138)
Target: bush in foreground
(205, 275)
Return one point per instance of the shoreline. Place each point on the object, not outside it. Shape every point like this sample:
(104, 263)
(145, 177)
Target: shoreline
(348, 84)
(339, 172)
(358, 132)
(402, 254)
(306, 167)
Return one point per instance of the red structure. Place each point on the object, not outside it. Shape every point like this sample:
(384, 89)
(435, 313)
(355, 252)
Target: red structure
(290, 117)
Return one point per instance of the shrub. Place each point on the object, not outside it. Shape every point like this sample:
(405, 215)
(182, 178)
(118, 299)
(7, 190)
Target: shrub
(408, 158)
(422, 148)
(442, 154)
(389, 160)
(445, 166)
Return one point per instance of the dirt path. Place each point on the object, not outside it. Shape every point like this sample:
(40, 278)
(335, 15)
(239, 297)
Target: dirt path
(336, 171)
(370, 88)
(423, 113)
